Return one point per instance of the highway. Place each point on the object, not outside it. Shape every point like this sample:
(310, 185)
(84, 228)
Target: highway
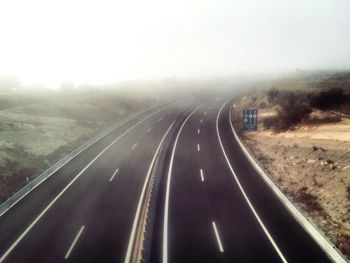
(210, 204)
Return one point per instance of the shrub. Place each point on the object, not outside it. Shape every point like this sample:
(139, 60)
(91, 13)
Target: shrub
(272, 94)
(330, 99)
(262, 105)
(291, 114)
(308, 199)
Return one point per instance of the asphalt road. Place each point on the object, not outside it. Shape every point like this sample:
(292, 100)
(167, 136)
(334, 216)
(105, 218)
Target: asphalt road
(213, 216)
(85, 211)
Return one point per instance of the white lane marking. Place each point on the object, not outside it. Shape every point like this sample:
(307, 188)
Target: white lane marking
(199, 131)
(202, 176)
(167, 193)
(11, 248)
(142, 196)
(205, 113)
(112, 177)
(74, 242)
(309, 228)
(201, 121)
(243, 192)
(198, 147)
(218, 240)
(134, 146)
(148, 130)
(160, 119)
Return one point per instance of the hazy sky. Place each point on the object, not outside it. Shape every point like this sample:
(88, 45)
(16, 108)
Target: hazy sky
(103, 41)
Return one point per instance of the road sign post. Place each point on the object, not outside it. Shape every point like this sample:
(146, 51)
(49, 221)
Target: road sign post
(250, 120)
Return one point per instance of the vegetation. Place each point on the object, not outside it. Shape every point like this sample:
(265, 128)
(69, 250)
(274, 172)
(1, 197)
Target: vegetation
(295, 107)
(333, 98)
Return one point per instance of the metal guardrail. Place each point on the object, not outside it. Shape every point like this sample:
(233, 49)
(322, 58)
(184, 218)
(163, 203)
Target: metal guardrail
(11, 201)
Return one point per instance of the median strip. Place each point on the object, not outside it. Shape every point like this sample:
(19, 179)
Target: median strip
(135, 245)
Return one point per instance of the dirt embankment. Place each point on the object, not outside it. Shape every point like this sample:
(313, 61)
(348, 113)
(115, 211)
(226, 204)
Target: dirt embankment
(39, 127)
(303, 142)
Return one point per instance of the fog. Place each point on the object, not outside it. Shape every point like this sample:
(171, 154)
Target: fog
(50, 42)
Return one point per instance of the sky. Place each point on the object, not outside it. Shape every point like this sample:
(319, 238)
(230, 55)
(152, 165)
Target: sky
(99, 41)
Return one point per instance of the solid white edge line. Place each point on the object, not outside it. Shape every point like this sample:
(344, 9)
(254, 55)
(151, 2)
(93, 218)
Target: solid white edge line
(15, 243)
(74, 242)
(218, 240)
(166, 207)
(112, 177)
(325, 245)
(202, 176)
(198, 147)
(243, 192)
(142, 196)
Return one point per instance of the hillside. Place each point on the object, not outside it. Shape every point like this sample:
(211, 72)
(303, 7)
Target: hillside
(38, 127)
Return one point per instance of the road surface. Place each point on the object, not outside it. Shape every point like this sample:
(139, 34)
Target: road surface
(212, 206)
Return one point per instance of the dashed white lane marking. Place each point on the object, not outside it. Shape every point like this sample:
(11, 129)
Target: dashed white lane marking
(201, 121)
(218, 240)
(198, 147)
(74, 242)
(205, 113)
(148, 130)
(112, 177)
(202, 176)
(199, 131)
(134, 146)
(160, 119)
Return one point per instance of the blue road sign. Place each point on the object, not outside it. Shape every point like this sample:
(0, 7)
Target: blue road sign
(250, 120)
